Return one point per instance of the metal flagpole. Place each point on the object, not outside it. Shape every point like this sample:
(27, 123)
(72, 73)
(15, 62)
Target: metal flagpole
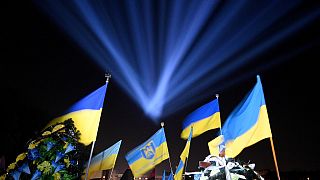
(111, 173)
(217, 96)
(185, 167)
(108, 76)
(274, 158)
(228, 175)
(88, 166)
(162, 125)
(114, 163)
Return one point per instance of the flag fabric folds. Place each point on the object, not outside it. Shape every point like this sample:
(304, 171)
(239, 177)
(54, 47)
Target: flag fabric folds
(247, 124)
(86, 115)
(184, 155)
(105, 160)
(205, 118)
(147, 155)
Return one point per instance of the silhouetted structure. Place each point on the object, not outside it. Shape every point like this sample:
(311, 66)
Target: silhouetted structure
(127, 175)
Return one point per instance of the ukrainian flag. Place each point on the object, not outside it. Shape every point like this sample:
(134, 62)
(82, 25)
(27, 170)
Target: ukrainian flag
(86, 115)
(248, 123)
(105, 160)
(184, 155)
(205, 118)
(147, 155)
(179, 170)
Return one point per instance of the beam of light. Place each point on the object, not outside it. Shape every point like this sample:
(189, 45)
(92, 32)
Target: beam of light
(166, 54)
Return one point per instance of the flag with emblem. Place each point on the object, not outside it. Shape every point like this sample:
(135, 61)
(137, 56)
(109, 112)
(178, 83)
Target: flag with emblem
(147, 155)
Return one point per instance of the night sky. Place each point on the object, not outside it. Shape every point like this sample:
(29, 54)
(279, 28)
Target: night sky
(43, 72)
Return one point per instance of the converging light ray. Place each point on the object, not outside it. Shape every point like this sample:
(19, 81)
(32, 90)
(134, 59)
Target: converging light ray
(246, 34)
(166, 53)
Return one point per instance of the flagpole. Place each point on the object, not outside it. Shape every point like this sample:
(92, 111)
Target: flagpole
(162, 125)
(187, 158)
(185, 168)
(107, 76)
(274, 158)
(111, 173)
(228, 175)
(114, 162)
(217, 96)
(88, 166)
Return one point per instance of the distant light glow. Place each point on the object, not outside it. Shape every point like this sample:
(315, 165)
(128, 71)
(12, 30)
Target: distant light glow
(166, 53)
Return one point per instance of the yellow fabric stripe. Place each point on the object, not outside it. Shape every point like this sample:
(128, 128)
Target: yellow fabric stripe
(259, 131)
(143, 165)
(214, 145)
(185, 152)
(199, 127)
(105, 164)
(178, 175)
(86, 121)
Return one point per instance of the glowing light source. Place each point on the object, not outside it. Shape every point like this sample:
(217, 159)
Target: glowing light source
(166, 53)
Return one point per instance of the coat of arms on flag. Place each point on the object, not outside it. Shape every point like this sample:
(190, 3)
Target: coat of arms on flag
(149, 150)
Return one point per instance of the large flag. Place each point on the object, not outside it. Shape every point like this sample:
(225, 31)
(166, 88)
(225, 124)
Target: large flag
(147, 155)
(86, 115)
(205, 118)
(184, 155)
(247, 124)
(105, 160)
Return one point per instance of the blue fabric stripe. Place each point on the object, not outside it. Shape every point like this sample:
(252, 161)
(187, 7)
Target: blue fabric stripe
(245, 115)
(92, 101)
(203, 112)
(158, 138)
(180, 166)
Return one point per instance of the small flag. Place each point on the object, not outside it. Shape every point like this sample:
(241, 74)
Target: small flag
(105, 160)
(205, 118)
(147, 155)
(184, 155)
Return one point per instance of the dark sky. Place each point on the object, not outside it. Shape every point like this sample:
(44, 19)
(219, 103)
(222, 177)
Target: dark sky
(43, 72)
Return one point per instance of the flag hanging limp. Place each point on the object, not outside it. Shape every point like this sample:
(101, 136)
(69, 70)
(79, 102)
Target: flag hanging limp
(147, 155)
(184, 155)
(86, 115)
(105, 160)
(205, 118)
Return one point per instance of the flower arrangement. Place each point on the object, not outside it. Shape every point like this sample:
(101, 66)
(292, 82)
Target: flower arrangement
(55, 154)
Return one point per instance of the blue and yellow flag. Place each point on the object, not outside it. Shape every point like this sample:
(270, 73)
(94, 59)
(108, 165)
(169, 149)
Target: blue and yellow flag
(184, 155)
(247, 124)
(205, 118)
(147, 155)
(86, 115)
(105, 160)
